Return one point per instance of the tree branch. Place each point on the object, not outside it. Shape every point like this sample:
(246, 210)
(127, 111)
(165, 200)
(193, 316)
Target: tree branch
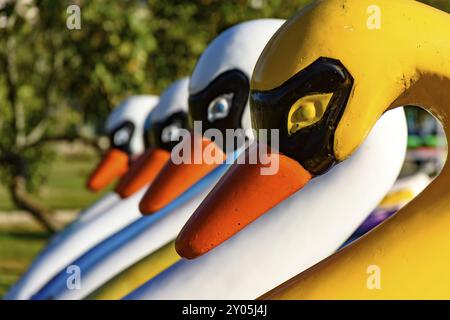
(17, 107)
(23, 200)
(37, 133)
(88, 141)
(39, 130)
(11, 88)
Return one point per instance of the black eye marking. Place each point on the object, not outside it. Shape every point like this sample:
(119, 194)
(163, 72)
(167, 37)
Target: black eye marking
(311, 146)
(161, 133)
(220, 107)
(222, 103)
(121, 136)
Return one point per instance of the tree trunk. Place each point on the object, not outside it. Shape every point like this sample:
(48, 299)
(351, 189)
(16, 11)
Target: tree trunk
(23, 200)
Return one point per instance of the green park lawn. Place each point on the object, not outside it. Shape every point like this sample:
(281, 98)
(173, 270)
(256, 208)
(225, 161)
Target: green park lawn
(65, 185)
(17, 250)
(64, 190)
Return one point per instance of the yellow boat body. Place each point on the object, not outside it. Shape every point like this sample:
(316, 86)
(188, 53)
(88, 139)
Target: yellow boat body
(137, 274)
(403, 60)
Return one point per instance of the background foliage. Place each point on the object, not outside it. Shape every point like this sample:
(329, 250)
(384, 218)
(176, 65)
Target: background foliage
(58, 84)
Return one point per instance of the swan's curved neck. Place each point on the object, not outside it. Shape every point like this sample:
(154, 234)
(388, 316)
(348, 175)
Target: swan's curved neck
(431, 91)
(429, 88)
(410, 252)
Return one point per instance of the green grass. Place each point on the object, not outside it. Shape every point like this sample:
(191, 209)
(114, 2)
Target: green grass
(65, 185)
(64, 189)
(17, 250)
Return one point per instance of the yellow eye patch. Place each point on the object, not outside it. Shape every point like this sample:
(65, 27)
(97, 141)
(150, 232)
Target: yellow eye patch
(307, 111)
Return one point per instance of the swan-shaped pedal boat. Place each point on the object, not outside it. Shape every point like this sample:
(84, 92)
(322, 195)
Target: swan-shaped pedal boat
(125, 127)
(404, 61)
(214, 276)
(221, 79)
(218, 74)
(145, 232)
(296, 234)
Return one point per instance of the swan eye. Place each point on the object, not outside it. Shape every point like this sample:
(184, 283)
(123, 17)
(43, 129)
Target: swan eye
(220, 107)
(122, 136)
(306, 111)
(171, 133)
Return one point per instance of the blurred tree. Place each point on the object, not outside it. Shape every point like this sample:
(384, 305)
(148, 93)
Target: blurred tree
(56, 83)
(440, 4)
(183, 29)
(60, 84)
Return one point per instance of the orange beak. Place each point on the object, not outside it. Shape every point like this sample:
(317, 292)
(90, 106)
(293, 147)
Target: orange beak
(143, 171)
(241, 196)
(175, 179)
(113, 165)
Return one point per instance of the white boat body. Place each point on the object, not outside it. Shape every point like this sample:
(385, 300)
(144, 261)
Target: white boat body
(296, 234)
(101, 205)
(154, 237)
(100, 220)
(91, 229)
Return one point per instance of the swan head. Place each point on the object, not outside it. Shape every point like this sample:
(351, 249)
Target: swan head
(218, 99)
(323, 81)
(161, 133)
(125, 128)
